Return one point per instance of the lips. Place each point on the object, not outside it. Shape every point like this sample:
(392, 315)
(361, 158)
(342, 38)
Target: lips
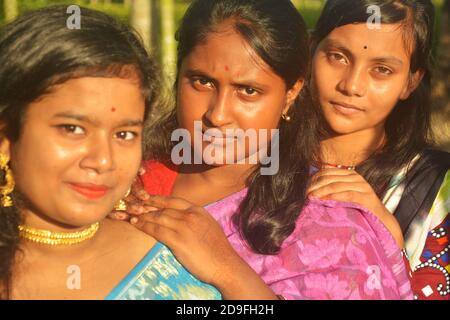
(345, 108)
(89, 190)
(218, 137)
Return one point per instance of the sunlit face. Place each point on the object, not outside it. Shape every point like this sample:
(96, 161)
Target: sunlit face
(80, 149)
(360, 74)
(224, 84)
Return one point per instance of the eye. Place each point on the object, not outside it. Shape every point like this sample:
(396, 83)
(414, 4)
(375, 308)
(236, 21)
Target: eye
(202, 83)
(126, 135)
(383, 70)
(336, 57)
(72, 129)
(248, 91)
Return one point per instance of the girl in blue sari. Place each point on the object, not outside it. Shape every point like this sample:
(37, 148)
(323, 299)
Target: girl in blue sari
(73, 104)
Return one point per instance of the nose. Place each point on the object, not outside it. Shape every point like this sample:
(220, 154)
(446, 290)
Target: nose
(354, 82)
(220, 109)
(99, 155)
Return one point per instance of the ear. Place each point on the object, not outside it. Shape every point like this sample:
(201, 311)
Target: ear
(5, 144)
(4, 147)
(413, 82)
(292, 94)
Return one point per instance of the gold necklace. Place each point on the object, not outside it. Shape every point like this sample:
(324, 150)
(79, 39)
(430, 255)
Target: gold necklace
(57, 238)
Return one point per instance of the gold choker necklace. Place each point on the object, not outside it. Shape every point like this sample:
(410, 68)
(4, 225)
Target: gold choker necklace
(57, 238)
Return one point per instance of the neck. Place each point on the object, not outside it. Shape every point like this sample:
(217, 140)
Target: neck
(39, 222)
(352, 149)
(227, 176)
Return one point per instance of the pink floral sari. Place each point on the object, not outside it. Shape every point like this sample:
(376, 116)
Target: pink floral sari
(337, 251)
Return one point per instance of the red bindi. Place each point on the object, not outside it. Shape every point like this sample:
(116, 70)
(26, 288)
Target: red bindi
(113, 109)
(226, 68)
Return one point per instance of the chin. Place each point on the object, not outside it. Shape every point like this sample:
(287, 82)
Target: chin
(341, 130)
(83, 216)
(342, 126)
(213, 161)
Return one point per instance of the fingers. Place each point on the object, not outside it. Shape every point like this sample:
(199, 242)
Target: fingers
(161, 233)
(142, 170)
(322, 180)
(328, 176)
(335, 172)
(166, 225)
(337, 187)
(162, 202)
(139, 207)
(168, 218)
(138, 191)
(136, 199)
(345, 196)
(119, 215)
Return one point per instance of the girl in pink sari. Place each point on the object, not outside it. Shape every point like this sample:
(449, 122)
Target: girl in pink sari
(242, 65)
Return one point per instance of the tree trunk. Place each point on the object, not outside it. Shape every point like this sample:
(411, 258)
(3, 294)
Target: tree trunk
(11, 10)
(141, 20)
(168, 44)
(296, 3)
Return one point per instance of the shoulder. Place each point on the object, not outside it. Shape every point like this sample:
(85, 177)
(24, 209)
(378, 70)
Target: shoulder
(431, 161)
(330, 212)
(121, 233)
(426, 178)
(437, 157)
(339, 222)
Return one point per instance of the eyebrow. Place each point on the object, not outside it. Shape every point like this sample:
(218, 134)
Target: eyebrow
(389, 59)
(338, 45)
(239, 83)
(84, 118)
(197, 72)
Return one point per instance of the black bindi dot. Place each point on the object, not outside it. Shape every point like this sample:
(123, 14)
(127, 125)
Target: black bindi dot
(365, 47)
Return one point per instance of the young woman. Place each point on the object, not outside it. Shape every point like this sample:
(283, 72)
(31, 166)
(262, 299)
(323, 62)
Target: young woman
(72, 108)
(241, 66)
(372, 82)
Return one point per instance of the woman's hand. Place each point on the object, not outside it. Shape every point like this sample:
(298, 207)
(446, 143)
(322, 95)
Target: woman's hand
(190, 232)
(135, 202)
(200, 245)
(349, 186)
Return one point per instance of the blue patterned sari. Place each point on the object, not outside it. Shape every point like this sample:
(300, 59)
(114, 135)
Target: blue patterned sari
(159, 276)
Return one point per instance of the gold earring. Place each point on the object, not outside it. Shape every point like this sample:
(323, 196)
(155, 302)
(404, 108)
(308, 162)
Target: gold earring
(286, 117)
(121, 205)
(8, 187)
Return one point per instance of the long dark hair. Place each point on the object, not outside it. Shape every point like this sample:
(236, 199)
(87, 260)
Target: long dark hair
(408, 126)
(278, 34)
(38, 51)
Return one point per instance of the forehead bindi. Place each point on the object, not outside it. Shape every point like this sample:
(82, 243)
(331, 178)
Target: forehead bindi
(227, 56)
(371, 43)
